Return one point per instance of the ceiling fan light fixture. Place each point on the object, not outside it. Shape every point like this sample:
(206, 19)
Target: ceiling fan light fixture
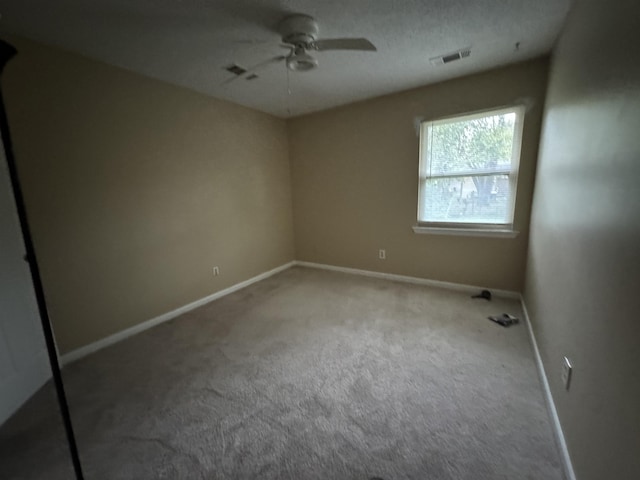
(301, 62)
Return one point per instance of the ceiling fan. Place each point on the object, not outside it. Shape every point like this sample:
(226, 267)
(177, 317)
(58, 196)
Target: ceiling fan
(299, 33)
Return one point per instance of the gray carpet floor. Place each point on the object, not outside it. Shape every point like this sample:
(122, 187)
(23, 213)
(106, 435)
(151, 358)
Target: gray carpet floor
(309, 374)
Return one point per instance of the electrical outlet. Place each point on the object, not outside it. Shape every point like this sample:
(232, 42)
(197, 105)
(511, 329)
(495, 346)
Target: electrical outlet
(382, 254)
(566, 372)
(216, 271)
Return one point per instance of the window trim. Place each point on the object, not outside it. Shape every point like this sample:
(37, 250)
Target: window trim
(466, 231)
(470, 228)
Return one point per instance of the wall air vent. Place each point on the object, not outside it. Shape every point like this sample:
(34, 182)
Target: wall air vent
(451, 57)
(235, 69)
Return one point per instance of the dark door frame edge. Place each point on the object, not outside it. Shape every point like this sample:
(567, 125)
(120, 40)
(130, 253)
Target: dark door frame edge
(7, 52)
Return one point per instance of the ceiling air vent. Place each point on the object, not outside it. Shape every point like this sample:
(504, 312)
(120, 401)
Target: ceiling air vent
(451, 57)
(235, 69)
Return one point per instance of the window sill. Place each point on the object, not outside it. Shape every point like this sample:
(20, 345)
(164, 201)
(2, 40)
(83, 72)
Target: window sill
(466, 232)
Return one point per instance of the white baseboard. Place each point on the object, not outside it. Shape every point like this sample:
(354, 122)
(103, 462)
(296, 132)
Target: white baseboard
(116, 337)
(557, 427)
(407, 279)
(110, 340)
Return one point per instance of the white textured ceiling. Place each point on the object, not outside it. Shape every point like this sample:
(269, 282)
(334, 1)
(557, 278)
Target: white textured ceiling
(189, 42)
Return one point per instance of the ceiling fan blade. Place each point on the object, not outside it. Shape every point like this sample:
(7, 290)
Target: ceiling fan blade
(344, 44)
(251, 70)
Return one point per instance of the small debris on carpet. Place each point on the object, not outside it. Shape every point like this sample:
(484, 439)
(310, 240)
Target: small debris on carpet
(486, 294)
(504, 319)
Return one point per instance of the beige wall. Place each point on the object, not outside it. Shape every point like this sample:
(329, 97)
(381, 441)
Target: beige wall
(583, 277)
(136, 188)
(355, 182)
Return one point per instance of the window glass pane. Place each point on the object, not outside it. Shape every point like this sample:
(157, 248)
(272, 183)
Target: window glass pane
(475, 199)
(477, 144)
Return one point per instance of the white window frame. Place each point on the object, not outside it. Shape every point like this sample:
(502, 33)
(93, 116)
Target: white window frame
(469, 228)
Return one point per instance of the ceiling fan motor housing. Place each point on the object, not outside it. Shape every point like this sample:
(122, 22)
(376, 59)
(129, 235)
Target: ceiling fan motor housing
(302, 62)
(299, 30)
